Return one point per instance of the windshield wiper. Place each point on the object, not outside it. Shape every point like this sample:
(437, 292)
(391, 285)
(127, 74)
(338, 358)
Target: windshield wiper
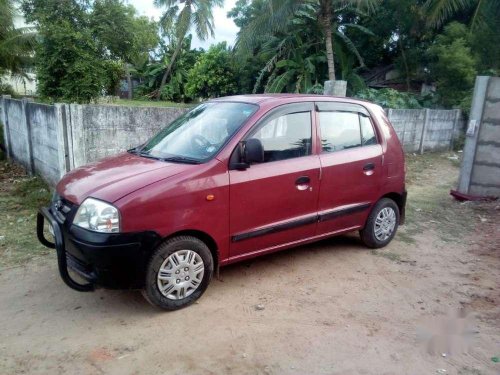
(181, 159)
(175, 159)
(147, 155)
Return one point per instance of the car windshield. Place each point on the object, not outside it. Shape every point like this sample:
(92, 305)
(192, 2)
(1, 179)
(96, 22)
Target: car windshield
(199, 134)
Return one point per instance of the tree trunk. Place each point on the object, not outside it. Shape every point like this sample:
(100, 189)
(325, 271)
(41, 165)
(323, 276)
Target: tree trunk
(130, 90)
(405, 63)
(170, 66)
(326, 22)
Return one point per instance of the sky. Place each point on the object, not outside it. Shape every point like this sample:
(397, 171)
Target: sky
(225, 29)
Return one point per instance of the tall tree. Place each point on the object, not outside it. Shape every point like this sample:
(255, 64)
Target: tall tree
(16, 43)
(280, 12)
(122, 35)
(194, 13)
(482, 11)
(69, 65)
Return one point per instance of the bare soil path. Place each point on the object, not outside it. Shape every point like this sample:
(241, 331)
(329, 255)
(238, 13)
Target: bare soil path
(426, 304)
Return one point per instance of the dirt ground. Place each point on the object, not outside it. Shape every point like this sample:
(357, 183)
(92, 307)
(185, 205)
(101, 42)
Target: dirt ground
(426, 304)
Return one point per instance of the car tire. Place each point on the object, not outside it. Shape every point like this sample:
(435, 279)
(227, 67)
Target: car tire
(381, 225)
(174, 268)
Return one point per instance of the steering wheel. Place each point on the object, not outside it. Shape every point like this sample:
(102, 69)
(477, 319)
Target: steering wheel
(200, 142)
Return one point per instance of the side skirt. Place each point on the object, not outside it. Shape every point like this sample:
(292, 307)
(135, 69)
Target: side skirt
(288, 245)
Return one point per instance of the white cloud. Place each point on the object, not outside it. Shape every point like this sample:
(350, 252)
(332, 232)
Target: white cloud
(225, 29)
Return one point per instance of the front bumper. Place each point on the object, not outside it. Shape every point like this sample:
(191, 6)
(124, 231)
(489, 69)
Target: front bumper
(110, 260)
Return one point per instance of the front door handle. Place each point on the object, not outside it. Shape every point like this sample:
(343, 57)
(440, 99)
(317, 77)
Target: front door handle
(302, 180)
(302, 183)
(369, 167)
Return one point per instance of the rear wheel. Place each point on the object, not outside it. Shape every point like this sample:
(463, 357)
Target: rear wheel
(178, 273)
(381, 225)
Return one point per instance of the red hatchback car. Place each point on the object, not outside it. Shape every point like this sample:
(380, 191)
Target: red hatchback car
(231, 179)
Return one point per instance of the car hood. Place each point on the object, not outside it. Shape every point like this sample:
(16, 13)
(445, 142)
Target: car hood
(114, 177)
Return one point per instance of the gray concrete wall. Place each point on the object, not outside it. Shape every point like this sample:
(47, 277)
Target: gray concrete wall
(422, 130)
(408, 124)
(17, 132)
(485, 174)
(100, 131)
(44, 145)
(52, 139)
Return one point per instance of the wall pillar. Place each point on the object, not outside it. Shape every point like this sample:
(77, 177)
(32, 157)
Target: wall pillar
(336, 88)
(76, 142)
(471, 135)
(458, 113)
(424, 131)
(62, 138)
(30, 166)
(5, 121)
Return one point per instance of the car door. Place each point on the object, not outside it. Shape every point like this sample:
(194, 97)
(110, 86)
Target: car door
(275, 202)
(351, 164)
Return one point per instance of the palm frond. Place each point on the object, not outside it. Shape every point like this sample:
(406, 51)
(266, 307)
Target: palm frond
(279, 83)
(440, 11)
(359, 27)
(350, 46)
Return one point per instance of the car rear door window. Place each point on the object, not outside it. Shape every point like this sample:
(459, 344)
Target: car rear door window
(339, 130)
(344, 130)
(367, 133)
(286, 136)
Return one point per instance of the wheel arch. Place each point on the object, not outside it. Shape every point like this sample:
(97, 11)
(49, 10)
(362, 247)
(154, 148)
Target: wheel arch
(202, 236)
(400, 200)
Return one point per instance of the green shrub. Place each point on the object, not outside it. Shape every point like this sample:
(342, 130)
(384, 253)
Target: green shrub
(212, 75)
(390, 98)
(453, 65)
(6, 89)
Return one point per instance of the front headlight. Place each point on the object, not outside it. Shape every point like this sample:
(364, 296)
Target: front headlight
(98, 216)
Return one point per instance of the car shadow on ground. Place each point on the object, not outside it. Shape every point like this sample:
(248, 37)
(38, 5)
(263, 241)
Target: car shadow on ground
(131, 301)
(334, 246)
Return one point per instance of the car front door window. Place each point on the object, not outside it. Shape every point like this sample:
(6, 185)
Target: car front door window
(285, 137)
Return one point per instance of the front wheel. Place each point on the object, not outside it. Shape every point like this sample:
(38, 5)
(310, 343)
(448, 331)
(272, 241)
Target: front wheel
(178, 273)
(381, 225)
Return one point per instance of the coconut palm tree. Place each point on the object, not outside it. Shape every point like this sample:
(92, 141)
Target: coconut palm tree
(16, 44)
(483, 11)
(280, 12)
(296, 60)
(183, 15)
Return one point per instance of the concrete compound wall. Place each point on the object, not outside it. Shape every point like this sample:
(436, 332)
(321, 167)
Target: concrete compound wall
(53, 139)
(44, 141)
(99, 131)
(422, 130)
(480, 171)
(50, 140)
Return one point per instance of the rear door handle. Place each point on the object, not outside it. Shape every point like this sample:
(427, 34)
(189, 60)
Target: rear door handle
(369, 167)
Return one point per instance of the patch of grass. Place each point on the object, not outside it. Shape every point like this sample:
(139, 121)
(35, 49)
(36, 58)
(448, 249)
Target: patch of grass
(406, 236)
(149, 103)
(469, 371)
(20, 197)
(430, 206)
(388, 255)
(2, 146)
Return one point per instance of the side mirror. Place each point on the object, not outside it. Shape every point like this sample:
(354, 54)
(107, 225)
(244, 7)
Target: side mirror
(253, 151)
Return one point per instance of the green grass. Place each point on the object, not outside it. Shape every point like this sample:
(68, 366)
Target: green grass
(20, 198)
(148, 103)
(2, 155)
(388, 255)
(430, 206)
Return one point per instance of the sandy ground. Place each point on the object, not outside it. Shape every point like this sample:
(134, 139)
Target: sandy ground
(423, 305)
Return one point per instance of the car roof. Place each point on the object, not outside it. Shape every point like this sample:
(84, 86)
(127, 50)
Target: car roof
(288, 98)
